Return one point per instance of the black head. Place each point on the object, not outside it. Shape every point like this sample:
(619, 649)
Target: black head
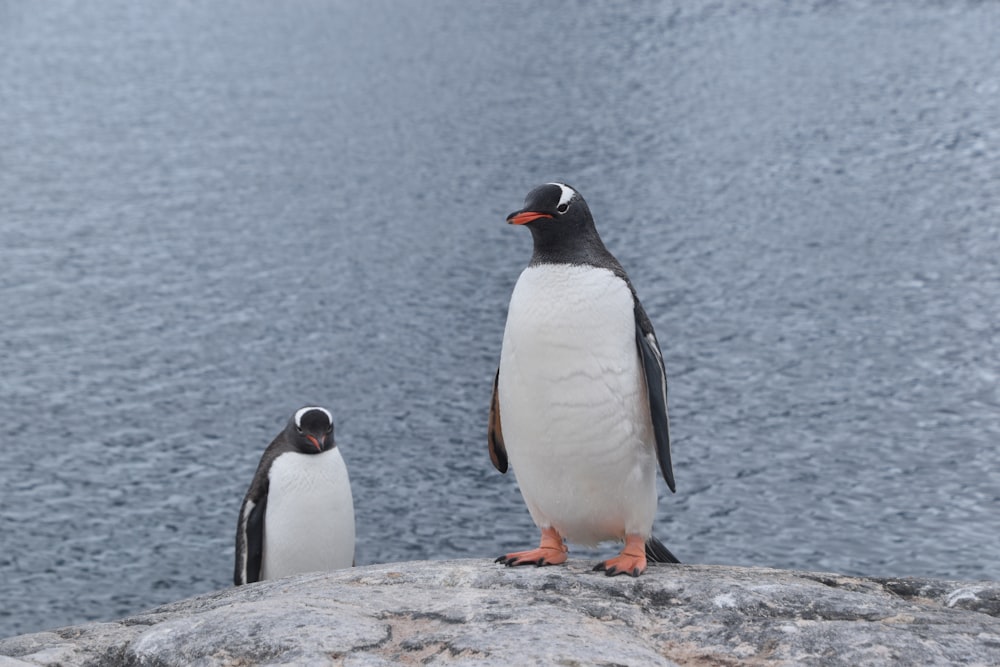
(549, 204)
(310, 430)
(561, 226)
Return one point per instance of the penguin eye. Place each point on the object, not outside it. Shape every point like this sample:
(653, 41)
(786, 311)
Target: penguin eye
(562, 208)
(299, 429)
(329, 428)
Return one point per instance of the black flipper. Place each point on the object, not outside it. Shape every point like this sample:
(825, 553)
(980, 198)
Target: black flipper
(656, 388)
(255, 540)
(250, 535)
(657, 553)
(498, 453)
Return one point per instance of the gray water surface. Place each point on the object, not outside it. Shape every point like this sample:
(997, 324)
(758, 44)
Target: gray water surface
(214, 213)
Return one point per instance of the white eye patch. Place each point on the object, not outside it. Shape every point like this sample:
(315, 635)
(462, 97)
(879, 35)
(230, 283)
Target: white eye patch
(567, 193)
(302, 411)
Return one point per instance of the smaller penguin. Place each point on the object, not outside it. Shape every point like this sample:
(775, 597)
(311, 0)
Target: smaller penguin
(298, 514)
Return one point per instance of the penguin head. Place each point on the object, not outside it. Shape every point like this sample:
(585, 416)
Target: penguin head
(550, 205)
(560, 223)
(310, 430)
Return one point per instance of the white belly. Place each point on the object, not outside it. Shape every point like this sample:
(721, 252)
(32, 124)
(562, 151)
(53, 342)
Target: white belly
(573, 404)
(309, 523)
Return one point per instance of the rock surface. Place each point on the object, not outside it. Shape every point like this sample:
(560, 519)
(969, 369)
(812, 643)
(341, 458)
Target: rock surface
(474, 612)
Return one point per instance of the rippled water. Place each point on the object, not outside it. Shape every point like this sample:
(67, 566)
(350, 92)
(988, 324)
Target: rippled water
(213, 213)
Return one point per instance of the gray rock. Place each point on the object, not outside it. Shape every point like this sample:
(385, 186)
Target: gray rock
(477, 613)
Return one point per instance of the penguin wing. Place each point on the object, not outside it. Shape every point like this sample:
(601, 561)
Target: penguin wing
(250, 536)
(656, 390)
(498, 453)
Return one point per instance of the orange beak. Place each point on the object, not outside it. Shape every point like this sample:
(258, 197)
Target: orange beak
(524, 217)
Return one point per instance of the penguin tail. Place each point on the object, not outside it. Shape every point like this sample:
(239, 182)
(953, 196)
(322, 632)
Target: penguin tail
(657, 553)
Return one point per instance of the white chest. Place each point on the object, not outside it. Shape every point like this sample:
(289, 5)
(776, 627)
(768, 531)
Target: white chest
(568, 349)
(573, 403)
(309, 523)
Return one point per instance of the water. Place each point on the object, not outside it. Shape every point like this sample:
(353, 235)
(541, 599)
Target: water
(214, 213)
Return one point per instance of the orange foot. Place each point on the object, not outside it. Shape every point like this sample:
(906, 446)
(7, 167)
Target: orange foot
(631, 561)
(551, 551)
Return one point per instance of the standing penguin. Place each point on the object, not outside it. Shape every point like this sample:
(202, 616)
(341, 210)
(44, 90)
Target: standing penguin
(298, 515)
(580, 399)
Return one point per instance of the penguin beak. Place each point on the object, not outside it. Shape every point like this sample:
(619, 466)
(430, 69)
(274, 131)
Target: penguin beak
(524, 217)
(318, 443)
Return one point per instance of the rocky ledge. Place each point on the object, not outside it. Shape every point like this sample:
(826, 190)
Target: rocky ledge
(477, 613)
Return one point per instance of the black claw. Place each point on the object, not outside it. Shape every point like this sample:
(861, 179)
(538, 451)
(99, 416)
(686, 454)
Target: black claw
(635, 572)
(512, 561)
(599, 567)
(612, 571)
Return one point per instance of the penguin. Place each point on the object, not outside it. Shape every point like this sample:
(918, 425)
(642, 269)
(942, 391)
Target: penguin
(579, 405)
(298, 514)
